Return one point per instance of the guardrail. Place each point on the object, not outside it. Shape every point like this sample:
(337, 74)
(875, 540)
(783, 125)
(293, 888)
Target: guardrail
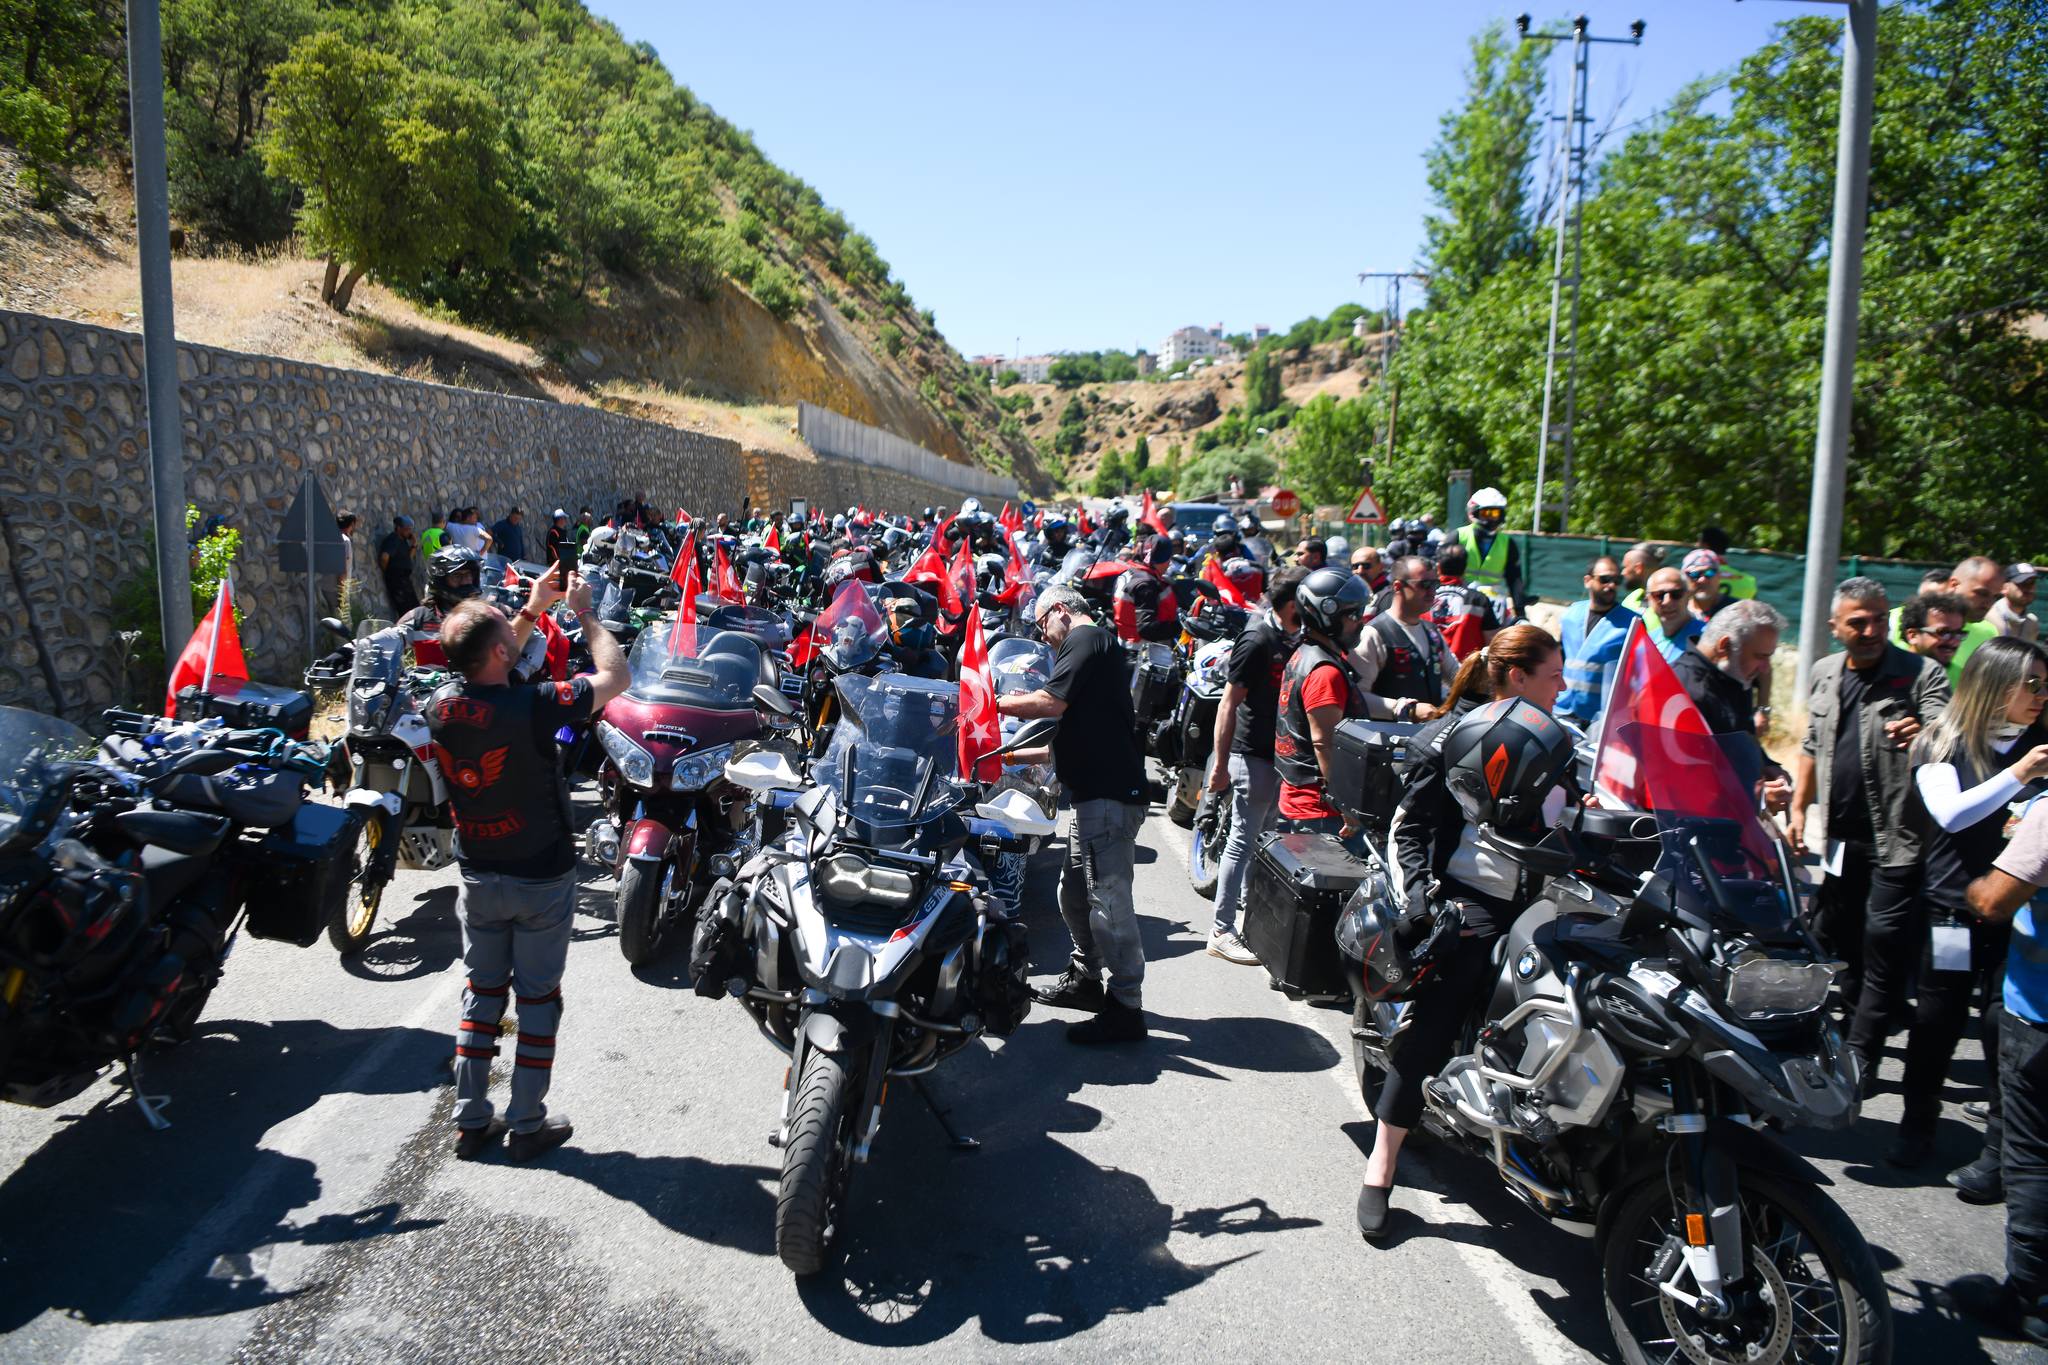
(837, 436)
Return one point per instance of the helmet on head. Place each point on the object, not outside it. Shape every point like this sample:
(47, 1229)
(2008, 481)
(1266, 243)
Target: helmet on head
(1117, 515)
(598, 549)
(1327, 597)
(839, 523)
(1489, 505)
(455, 573)
(793, 522)
(971, 508)
(1055, 523)
(1223, 533)
(1337, 547)
(931, 513)
(1251, 525)
(1501, 762)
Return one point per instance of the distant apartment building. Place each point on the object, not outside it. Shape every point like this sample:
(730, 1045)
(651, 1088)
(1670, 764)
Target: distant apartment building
(1191, 343)
(1260, 332)
(1147, 363)
(1031, 369)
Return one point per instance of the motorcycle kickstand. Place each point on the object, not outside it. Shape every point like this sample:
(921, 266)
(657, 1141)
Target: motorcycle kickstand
(959, 1141)
(150, 1106)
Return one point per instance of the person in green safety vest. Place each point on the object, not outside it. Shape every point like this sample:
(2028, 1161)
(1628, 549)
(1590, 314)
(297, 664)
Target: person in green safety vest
(1979, 581)
(1490, 557)
(1735, 582)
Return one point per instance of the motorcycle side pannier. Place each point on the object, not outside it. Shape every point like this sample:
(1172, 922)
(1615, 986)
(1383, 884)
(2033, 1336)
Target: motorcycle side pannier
(1298, 886)
(301, 874)
(1365, 766)
(1155, 683)
(249, 706)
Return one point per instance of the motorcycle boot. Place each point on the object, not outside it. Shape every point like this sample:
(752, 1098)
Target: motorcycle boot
(1074, 990)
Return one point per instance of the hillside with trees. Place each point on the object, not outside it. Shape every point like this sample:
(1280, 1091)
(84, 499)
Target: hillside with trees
(519, 167)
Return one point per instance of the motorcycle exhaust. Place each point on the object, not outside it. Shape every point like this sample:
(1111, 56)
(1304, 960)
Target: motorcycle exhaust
(601, 843)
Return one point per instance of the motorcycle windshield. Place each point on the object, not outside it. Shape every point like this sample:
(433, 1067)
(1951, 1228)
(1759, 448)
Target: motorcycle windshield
(1075, 566)
(768, 628)
(374, 684)
(895, 741)
(31, 742)
(698, 666)
(850, 631)
(1702, 789)
(1018, 665)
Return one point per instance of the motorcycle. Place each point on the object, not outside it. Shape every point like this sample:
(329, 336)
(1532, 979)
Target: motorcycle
(673, 824)
(847, 637)
(864, 941)
(1019, 665)
(126, 869)
(1659, 1010)
(394, 780)
(1183, 744)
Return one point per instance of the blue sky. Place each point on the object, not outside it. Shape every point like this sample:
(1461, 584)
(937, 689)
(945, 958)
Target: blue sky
(1065, 176)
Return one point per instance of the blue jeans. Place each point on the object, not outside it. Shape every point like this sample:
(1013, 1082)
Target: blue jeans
(1095, 895)
(1254, 801)
(515, 939)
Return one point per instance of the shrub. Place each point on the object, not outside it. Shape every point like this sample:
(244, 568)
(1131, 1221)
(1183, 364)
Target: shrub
(891, 337)
(778, 289)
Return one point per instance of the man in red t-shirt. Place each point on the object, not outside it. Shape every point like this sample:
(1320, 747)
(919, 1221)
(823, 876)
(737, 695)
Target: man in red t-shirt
(1316, 692)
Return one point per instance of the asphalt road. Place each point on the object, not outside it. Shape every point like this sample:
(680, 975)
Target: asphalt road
(1190, 1198)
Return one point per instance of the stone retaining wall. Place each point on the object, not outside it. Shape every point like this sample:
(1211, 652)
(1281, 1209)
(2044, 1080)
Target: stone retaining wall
(75, 497)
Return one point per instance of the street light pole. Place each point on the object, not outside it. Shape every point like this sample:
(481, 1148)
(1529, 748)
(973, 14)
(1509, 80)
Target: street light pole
(1838, 356)
(159, 335)
(1393, 279)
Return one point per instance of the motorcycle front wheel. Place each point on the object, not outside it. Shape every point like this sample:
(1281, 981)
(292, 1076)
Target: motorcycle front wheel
(815, 1164)
(639, 909)
(1813, 1292)
(349, 927)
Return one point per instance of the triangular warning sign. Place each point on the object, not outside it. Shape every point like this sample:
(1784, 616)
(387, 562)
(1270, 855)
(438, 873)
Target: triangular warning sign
(1366, 511)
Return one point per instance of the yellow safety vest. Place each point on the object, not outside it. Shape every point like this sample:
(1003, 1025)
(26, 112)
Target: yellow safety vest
(1490, 571)
(1738, 583)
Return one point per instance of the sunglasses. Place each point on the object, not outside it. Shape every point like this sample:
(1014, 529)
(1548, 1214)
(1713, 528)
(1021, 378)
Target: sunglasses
(2035, 684)
(1939, 634)
(1666, 594)
(1605, 580)
(1699, 575)
(1430, 584)
(1361, 565)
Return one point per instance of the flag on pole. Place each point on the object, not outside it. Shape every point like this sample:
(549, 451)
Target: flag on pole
(774, 541)
(214, 651)
(682, 639)
(724, 581)
(686, 561)
(981, 730)
(511, 575)
(1148, 514)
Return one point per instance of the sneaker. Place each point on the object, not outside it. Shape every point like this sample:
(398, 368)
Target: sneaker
(1373, 1202)
(471, 1143)
(1117, 1023)
(1230, 948)
(1995, 1302)
(552, 1133)
(1979, 1183)
(1076, 990)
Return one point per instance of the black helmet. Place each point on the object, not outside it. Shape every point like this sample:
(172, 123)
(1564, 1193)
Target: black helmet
(1327, 596)
(1501, 761)
(1395, 950)
(1224, 525)
(1117, 515)
(454, 573)
(930, 513)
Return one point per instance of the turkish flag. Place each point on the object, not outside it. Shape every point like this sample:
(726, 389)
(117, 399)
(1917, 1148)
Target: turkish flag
(681, 516)
(511, 575)
(682, 640)
(214, 651)
(1645, 698)
(931, 564)
(981, 727)
(1019, 579)
(724, 581)
(1011, 519)
(686, 563)
(1081, 522)
(961, 582)
(1148, 514)
(1212, 572)
(774, 541)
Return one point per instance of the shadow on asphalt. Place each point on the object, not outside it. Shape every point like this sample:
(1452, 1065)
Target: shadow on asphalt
(706, 1201)
(228, 1087)
(421, 943)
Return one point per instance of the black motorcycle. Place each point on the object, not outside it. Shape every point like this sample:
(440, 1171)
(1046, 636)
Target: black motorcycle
(125, 871)
(864, 940)
(1658, 1017)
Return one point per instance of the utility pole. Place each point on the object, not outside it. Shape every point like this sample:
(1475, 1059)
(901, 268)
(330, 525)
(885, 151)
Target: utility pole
(1570, 222)
(1838, 354)
(1393, 279)
(159, 336)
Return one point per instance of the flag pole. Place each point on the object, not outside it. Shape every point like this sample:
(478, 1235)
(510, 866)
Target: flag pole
(227, 595)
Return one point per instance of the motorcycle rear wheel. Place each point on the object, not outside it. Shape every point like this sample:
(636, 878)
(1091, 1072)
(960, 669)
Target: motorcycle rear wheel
(1183, 797)
(350, 926)
(815, 1164)
(1802, 1247)
(639, 910)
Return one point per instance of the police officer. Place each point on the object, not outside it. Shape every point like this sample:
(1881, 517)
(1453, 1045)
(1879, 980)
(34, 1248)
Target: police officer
(1490, 556)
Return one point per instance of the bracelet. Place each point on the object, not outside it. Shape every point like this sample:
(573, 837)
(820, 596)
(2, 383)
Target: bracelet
(587, 611)
(527, 615)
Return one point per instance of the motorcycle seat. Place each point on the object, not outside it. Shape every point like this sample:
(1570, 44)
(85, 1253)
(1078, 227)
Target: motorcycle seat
(187, 832)
(169, 875)
(265, 803)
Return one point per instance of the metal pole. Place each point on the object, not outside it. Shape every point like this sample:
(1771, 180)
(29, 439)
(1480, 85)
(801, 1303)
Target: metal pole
(312, 574)
(1581, 63)
(1838, 358)
(1556, 302)
(159, 334)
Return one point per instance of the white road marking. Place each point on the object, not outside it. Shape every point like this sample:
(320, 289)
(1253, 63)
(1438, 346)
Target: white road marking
(1537, 1333)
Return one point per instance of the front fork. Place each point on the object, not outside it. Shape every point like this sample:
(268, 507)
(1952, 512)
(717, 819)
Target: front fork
(1713, 1256)
(875, 1076)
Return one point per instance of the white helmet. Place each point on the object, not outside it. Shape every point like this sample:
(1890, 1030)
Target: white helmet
(1486, 500)
(1338, 547)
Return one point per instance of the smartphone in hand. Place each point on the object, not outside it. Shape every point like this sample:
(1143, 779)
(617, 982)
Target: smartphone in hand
(565, 564)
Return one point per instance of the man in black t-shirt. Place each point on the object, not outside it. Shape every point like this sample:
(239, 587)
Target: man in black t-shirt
(395, 555)
(495, 742)
(1096, 756)
(1242, 762)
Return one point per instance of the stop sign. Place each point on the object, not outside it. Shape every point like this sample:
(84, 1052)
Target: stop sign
(1285, 504)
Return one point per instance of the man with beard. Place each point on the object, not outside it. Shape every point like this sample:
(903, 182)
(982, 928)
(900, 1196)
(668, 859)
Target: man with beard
(1593, 632)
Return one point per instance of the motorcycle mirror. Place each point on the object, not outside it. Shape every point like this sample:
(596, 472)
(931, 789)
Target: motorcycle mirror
(1651, 908)
(1031, 734)
(1018, 814)
(334, 627)
(770, 699)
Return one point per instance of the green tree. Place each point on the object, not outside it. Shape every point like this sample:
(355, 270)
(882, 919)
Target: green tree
(1261, 384)
(1331, 438)
(1072, 371)
(1111, 478)
(891, 337)
(400, 170)
(1007, 378)
(1479, 169)
(1141, 453)
(60, 85)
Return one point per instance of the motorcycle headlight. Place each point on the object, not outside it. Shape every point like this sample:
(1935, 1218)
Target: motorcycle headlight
(1769, 987)
(699, 770)
(849, 880)
(634, 763)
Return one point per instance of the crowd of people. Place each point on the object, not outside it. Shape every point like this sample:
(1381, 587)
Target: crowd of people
(1922, 735)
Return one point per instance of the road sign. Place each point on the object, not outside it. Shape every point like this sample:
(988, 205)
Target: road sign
(1285, 504)
(295, 531)
(1366, 511)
